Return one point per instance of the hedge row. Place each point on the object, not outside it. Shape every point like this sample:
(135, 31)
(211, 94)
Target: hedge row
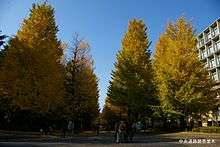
(211, 129)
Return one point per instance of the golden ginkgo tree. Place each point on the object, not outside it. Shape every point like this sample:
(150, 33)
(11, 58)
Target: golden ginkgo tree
(131, 87)
(184, 85)
(31, 76)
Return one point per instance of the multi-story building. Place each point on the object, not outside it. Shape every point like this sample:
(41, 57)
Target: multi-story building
(209, 50)
(208, 45)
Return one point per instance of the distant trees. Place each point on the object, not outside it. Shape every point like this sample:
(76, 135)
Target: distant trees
(2, 49)
(111, 114)
(3, 100)
(184, 86)
(2, 37)
(81, 86)
(132, 88)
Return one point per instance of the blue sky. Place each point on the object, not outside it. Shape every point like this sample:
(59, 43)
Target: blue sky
(103, 22)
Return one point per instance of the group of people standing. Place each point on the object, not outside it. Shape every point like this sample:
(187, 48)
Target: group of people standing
(124, 131)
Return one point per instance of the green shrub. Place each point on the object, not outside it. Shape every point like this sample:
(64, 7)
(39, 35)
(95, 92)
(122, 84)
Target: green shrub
(211, 129)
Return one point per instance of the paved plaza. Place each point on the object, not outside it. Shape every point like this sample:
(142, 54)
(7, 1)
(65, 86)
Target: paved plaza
(169, 139)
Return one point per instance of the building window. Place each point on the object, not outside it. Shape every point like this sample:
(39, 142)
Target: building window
(206, 65)
(218, 59)
(201, 42)
(214, 76)
(203, 54)
(215, 31)
(209, 123)
(210, 50)
(212, 63)
(217, 45)
(208, 37)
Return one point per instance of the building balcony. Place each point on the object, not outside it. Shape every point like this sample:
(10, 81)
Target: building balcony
(215, 33)
(208, 41)
(210, 55)
(200, 43)
(210, 52)
(203, 56)
(218, 64)
(212, 68)
(216, 81)
(217, 49)
(203, 59)
(212, 65)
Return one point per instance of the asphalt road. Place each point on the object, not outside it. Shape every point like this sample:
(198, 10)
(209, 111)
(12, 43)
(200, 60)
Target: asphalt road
(154, 144)
(34, 144)
(167, 140)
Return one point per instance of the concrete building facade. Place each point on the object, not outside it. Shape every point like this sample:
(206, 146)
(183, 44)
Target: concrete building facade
(209, 50)
(208, 45)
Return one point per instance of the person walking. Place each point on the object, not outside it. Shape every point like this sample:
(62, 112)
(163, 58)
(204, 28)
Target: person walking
(64, 128)
(117, 132)
(122, 132)
(97, 128)
(130, 131)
